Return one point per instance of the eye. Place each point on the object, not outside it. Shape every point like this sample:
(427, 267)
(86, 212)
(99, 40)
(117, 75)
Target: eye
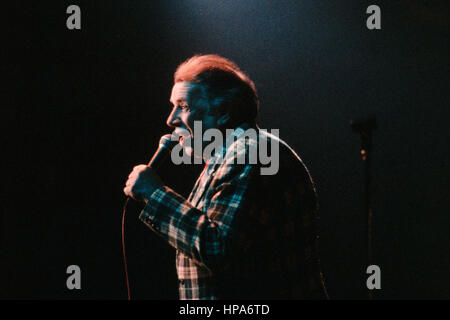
(184, 107)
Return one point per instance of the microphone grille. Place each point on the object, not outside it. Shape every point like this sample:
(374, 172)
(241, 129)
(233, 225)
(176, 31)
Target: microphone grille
(168, 141)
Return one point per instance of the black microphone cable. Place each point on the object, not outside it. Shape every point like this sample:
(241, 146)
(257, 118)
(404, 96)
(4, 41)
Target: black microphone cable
(123, 247)
(166, 144)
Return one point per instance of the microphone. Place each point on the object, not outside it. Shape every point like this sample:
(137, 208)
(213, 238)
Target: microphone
(166, 143)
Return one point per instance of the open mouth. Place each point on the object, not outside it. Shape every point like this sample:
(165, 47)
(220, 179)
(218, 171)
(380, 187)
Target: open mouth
(182, 134)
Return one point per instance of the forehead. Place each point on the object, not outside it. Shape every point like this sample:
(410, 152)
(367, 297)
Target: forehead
(180, 92)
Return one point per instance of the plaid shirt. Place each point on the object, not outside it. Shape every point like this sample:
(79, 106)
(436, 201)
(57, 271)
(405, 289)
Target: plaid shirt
(240, 234)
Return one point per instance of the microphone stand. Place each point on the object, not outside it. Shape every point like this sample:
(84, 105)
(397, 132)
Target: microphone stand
(365, 128)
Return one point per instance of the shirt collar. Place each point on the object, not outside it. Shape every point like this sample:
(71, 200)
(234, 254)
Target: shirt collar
(235, 134)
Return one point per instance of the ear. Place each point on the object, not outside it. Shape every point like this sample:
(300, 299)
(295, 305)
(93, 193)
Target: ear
(223, 119)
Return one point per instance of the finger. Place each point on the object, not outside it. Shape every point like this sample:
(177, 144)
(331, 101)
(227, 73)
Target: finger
(130, 182)
(129, 192)
(132, 174)
(139, 168)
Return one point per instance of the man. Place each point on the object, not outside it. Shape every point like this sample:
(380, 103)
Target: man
(241, 234)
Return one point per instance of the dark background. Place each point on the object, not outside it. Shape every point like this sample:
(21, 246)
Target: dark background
(80, 108)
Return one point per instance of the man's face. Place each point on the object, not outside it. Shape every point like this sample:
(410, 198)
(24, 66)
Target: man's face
(188, 108)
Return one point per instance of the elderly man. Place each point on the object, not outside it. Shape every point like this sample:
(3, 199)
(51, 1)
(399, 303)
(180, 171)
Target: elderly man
(241, 234)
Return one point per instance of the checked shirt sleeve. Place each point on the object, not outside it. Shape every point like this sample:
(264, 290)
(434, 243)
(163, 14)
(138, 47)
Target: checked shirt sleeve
(200, 234)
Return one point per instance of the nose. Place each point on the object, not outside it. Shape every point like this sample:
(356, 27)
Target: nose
(174, 120)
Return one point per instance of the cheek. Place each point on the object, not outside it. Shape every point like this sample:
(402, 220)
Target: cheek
(194, 115)
(186, 118)
(189, 121)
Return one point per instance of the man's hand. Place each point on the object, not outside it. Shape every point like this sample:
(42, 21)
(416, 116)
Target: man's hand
(142, 182)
